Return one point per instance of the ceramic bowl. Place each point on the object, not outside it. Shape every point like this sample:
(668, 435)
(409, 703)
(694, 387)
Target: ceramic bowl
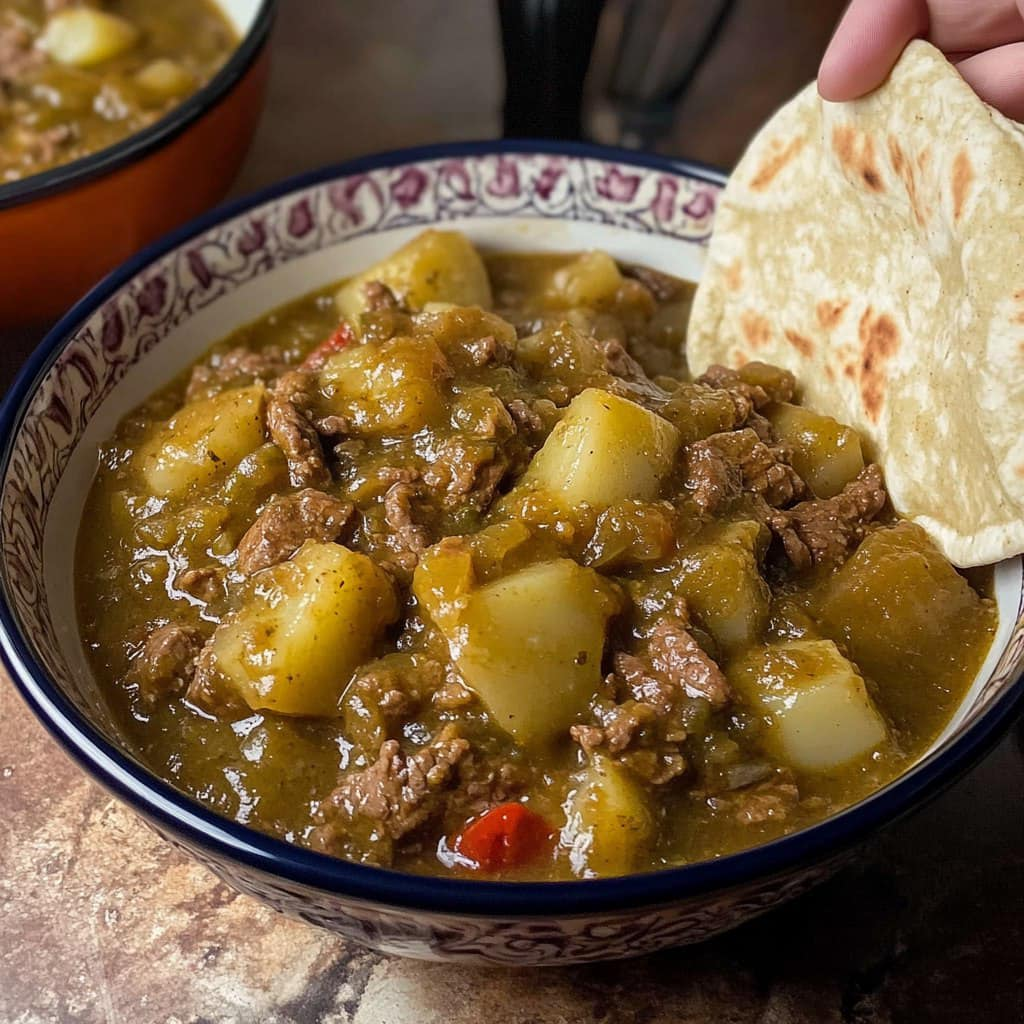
(63, 229)
(160, 311)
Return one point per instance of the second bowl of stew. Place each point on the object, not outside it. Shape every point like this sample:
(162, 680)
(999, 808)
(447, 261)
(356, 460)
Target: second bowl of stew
(118, 121)
(422, 591)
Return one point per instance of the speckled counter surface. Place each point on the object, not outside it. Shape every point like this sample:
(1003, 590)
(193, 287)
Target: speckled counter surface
(102, 921)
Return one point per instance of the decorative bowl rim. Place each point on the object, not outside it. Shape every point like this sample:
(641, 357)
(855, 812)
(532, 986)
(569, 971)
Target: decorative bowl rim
(221, 837)
(141, 143)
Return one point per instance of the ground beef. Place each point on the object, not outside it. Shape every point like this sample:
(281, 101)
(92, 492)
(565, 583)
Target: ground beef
(822, 532)
(380, 298)
(772, 384)
(723, 466)
(395, 795)
(671, 662)
(408, 536)
(167, 661)
(43, 147)
(236, 366)
(466, 473)
(644, 725)
(18, 54)
(661, 286)
(286, 523)
(487, 351)
(771, 800)
(526, 417)
(292, 429)
(206, 584)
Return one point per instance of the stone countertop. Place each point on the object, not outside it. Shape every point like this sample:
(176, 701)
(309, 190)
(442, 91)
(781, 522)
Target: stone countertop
(102, 921)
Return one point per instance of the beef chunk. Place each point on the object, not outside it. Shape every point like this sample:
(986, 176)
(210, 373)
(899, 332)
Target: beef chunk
(723, 466)
(292, 429)
(526, 416)
(466, 473)
(389, 799)
(663, 287)
(380, 298)
(282, 527)
(822, 532)
(387, 693)
(205, 584)
(167, 661)
(758, 383)
(645, 725)
(671, 662)
(237, 366)
(771, 800)
(487, 351)
(408, 536)
(18, 54)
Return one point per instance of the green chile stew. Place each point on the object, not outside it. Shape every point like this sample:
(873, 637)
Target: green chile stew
(76, 77)
(453, 568)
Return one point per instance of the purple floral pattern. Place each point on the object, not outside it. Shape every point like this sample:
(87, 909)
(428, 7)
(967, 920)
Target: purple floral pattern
(200, 272)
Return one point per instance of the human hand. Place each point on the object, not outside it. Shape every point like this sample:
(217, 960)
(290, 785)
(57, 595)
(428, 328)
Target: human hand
(983, 38)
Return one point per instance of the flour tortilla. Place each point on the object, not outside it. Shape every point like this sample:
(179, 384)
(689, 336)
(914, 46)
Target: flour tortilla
(876, 249)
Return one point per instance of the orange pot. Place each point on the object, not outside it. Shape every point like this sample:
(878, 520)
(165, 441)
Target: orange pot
(62, 230)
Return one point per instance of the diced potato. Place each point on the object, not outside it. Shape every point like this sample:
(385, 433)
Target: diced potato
(529, 644)
(720, 577)
(204, 441)
(825, 453)
(566, 354)
(386, 388)
(609, 821)
(309, 623)
(904, 612)
(818, 712)
(591, 279)
(604, 449)
(457, 331)
(436, 266)
(84, 36)
(164, 78)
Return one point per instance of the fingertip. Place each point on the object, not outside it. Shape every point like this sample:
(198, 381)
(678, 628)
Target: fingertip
(997, 76)
(867, 43)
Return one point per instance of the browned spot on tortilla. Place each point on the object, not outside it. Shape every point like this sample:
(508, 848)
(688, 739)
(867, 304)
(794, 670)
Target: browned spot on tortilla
(830, 313)
(849, 370)
(858, 161)
(755, 329)
(1019, 470)
(923, 157)
(802, 344)
(963, 175)
(879, 341)
(1019, 318)
(778, 156)
(734, 276)
(740, 360)
(829, 372)
(905, 169)
(1019, 295)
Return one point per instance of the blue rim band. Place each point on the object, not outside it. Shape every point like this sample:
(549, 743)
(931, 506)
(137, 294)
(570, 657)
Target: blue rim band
(223, 839)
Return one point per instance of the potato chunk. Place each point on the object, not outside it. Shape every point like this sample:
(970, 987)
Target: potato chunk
(387, 388)
(604, 449)
(436, 266)
(591, 279)
(609, 823)
(530, 644)
(309, 623)
(814, 700)
(203, 442)
(84, 36)
(164, 79)
(720, 577)
(825, 453)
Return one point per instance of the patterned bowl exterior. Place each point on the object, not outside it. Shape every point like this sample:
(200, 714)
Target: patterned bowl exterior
(125, 320)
